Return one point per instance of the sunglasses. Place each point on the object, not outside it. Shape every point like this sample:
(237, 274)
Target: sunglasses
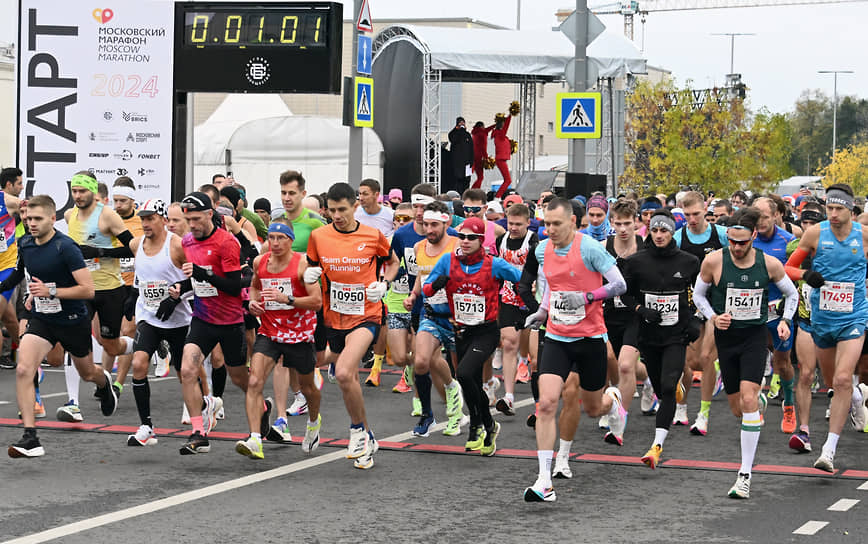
(739, 242)
(403, 218)
(471, 237)
(472, 209)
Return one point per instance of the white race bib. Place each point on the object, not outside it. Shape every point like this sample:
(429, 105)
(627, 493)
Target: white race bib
(469, 309)
(744, 304)
(284, 285)
(347, 298)
(560, 315)
(92, 264)
(773, 311)
(667, 305)
(47, 305)
(437, 298)
(128, 264)
(3, 246)
(410, 261)
(837, 296)
(401, 286)
(154, 292)
(203, 289)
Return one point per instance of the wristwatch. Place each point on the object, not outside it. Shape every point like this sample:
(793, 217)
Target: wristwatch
(589, 297)
(52, 291)
(209, 272)
(290, 299)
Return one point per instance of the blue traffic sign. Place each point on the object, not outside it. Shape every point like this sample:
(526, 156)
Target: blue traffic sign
(579, 115)
(365, 58)
(363, 115)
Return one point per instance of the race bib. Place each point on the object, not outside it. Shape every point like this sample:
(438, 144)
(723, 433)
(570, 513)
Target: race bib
(773, 311)
(618, 302)
(128, 264)
(744, 304)
(92, 264)
(284, 285)
(667, 305)
(47, 305)
(401, 286)
(437, 298)
(560, 315)
(837, 296)
(806, 295)
(154, 292)
(410, 261)
(203, 289)
(3, 246)
(347, 298)
(469, 309)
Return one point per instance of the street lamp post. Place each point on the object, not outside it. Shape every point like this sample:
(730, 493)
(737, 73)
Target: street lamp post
(834, 106)
(732, 36)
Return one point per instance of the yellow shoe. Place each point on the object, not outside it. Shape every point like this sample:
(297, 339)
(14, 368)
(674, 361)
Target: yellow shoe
(476, 439)
(680, 392)
(652, 456)
(373, 378)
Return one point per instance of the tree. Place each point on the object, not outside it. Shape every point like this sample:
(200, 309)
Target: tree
(850, 166)
(811, 122)
(707, 140)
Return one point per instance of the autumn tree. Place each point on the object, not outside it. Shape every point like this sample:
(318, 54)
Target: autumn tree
(850, 166)
(811, 122)
(678, 138)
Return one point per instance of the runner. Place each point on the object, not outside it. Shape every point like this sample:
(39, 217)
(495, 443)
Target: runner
(475, 205)
(59, 284)
(574, 266)
(739, 277)
(471, 280)
(11, 228)
(598, 219)
(287, 308)
(839, 308)
(349, 255)
(159, 317)
(399, 337)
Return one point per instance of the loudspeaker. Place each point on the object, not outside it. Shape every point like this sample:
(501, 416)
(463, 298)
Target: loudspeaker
(583, 184)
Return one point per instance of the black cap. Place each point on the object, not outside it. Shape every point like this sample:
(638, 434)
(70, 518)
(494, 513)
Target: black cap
(262, 204)
(196, 202)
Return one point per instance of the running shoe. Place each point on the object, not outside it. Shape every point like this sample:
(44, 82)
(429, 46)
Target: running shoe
(401, 386)
(185, 416)
(209, 421)
(423, 428)
(648, 402)
(475, 439)
(28, 446)
(801, 442)
(410, 375)
(741, 488)
(453, 425)
(358, 443)
(373, 379)
(718, 378)
(417, 408)
(825, 462)
(454, 400)
(265, 420)
(252, 447)
(317, 378)
(531, 419)
(366, 460)
(145, 436)
(603, 423)
(680, 391)
(775, 386)
(196, 444)
(219, 413)
(815, 385)
(858, 415)
(331, 374)
(39, 409)
(562, 469)
(161, 370)
(522, 374)
(497, 360)
(618, 422)
(69, 412)
(298, 406)
(504, 406)
(7, 362)
(763, 402)
(490, 387)
(681, 415)
(652, 456)
(163, 349)
(788, 423)
(279, 432)
(368, 359)
(118, 389)
(700, 425)
(768, 370)
(830, 394)
(540, 491)
(489, 443)
(108, 400)
(311, 435)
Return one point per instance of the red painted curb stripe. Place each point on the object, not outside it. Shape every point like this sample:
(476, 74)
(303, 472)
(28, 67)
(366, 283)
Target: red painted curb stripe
(65, 425)
(506, 452)
(438, 448)
(119, 429)
(689, 463)
(855, 473)
(784, 469)
(393, 445)
(621, 459)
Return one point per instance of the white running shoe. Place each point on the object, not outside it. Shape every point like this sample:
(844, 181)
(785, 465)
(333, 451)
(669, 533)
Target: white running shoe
(358, 444)
(219, 413)
(366, 460)
(144, 437)
(700, 425)
(317, 378)
(648, 402)
(490, 387)
(603, 423)
(497, 361)
(562, 468)
(681, 415)
(618, 422)
(162, 368)
(540, 491)
(299, 405)
(825, 462)
(741, 488)
(185, 416)
(311, 435)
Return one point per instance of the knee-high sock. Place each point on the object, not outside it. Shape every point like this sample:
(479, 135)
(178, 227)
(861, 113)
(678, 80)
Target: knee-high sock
(218, 381)
(750, 433)
(423, 386)
(142, 394)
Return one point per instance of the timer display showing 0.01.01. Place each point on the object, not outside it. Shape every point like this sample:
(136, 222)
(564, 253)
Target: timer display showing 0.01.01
(284, 28)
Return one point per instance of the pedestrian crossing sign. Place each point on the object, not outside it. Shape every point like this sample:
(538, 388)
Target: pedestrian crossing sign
(579, 115)
(363, 115)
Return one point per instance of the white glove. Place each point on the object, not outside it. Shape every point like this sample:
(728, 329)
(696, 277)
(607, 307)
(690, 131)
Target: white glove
(312, 274)
(536, 319)
(573, 300)
(376, 291)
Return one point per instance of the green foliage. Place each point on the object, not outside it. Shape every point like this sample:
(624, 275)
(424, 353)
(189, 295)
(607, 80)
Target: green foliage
(811, 122)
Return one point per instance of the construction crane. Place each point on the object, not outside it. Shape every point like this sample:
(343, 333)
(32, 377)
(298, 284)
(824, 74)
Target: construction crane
(629, 8)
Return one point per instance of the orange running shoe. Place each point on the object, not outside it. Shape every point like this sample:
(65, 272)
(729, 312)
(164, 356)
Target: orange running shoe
(788, 424)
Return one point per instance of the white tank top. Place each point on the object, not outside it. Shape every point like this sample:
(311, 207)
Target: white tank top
(154, 275)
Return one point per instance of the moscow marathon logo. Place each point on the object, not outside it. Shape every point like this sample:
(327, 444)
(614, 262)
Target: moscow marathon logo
(258, 71)
(102, 16)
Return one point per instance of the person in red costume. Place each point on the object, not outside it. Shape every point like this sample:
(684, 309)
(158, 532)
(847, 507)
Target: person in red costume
(502, 151)
(480, 150)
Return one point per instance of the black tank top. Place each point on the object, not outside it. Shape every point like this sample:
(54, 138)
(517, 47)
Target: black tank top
(700, 250)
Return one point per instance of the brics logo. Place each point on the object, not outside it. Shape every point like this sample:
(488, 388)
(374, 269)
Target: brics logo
(102, 16)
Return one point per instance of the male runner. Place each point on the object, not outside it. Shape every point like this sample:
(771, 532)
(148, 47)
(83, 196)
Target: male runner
(475, 205)
(11, 186)
(839, 308)
(739, 277)
(399, 336)
(59, 283)
(370, 212)
(349, 255)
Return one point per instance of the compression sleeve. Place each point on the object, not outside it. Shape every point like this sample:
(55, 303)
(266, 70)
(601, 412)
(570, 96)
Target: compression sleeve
(231, 284)
(791, 296)
(546, 297)
(794, 263)
(700, 298)
(615, 287)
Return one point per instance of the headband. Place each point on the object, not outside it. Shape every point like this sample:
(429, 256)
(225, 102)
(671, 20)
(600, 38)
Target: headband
(82, 180)
(662, 222)
(650, 205)
(837, 196)
(421, 199)
(122, 190)
(282, 229)
(431, 215)
(812, 215)
(738, 227)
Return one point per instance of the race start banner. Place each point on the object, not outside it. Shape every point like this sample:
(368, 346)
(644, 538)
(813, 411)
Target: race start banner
(95, 93)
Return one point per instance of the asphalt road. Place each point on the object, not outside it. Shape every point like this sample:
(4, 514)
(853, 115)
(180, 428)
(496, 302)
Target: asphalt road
(91, 487)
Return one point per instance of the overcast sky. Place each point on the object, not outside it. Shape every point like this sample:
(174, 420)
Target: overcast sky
(781, 60)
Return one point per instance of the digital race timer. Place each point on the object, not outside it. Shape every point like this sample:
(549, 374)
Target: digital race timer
(287, 47)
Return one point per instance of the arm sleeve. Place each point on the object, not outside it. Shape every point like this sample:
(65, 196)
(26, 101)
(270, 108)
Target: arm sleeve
(700, 297)
(791, 296)
(505, 271)
(231, 284)
(117, 252)
(546, 297)
(794, 263)
(615, 287)
(528, 276)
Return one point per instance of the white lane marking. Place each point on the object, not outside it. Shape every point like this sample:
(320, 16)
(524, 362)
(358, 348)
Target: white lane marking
(843, 505)
(189, 496)
(863, 487)
(810, 528)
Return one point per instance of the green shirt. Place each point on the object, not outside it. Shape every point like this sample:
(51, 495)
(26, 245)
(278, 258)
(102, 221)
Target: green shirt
(258, 223)
(303, 225)
(744, 291)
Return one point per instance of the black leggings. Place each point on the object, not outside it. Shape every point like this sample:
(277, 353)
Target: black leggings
(665, 365)
(474, 346)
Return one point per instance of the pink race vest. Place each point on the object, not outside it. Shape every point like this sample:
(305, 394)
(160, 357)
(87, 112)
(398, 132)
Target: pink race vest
(566, 274)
